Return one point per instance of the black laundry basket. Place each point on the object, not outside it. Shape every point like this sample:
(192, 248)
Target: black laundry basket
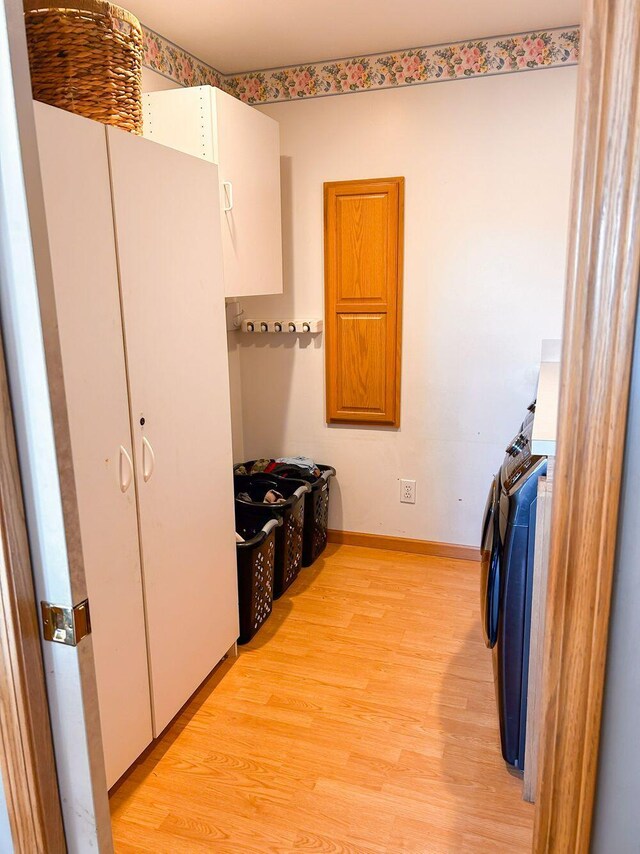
(316, 512)
(289, 537)
(255, 558)
(316, 515)
(316, 509)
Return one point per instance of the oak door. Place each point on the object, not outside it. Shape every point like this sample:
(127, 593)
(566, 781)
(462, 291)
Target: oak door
(168, 237)
(75, 178)
(363, 291)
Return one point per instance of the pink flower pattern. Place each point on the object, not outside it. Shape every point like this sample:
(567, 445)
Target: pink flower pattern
(537, 50)
(468, 59)
(175, 63)
(476, 58)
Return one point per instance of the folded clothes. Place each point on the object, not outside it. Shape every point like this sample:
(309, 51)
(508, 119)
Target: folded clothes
(287, 470)
(301, 462)
(284, 470)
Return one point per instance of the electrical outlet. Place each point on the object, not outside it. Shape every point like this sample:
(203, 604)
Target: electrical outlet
(408, 491)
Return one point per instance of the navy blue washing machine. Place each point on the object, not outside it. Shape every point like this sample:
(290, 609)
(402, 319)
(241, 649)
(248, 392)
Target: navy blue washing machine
(508, 535)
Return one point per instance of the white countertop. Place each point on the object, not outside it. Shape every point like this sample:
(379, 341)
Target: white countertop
(545, 421)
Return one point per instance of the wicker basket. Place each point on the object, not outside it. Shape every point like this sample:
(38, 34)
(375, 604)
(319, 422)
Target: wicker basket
(87, 58)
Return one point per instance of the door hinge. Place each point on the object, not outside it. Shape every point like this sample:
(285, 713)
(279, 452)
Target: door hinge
(65, 625)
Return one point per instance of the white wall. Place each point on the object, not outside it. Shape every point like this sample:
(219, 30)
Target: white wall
(487, 168)
(235, 386)
(152, 81)
(6, 839)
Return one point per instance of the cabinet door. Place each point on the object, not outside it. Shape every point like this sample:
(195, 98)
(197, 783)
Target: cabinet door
(75, 177)
(168, 236)
(248, 153)
(363, 298)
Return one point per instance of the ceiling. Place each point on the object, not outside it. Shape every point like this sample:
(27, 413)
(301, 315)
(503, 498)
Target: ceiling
(242, 35)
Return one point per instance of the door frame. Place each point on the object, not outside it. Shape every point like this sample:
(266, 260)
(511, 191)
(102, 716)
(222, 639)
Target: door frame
(599, 326)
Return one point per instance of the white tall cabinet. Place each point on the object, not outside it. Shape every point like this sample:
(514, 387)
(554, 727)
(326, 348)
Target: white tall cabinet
(75, 179)
(167, 230)
(140, 305)
(245, 145)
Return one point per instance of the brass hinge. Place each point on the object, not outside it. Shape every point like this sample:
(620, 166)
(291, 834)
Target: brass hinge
(65, 625)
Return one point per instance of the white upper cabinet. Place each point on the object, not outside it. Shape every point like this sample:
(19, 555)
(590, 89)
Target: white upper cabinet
(245, 145)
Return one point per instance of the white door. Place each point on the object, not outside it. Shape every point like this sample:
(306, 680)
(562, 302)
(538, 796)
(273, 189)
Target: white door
(248, 153)
(75, 178)
(167, 232)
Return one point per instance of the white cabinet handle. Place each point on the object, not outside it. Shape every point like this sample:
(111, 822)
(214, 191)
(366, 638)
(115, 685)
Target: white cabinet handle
(126, 469)
(148, 459)
(228, 195)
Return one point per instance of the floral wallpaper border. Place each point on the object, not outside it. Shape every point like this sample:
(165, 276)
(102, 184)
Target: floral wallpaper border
(174, 62)
(413, 66)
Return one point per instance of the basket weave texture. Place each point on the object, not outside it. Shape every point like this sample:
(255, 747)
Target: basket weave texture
(87, 58)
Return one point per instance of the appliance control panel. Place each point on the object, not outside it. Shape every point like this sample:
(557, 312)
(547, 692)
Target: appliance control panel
(519, 459)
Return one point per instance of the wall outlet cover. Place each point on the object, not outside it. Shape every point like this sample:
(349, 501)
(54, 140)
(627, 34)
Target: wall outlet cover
(408, 491)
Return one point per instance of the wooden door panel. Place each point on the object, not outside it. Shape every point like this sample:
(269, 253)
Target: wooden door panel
(170, 257)
(363, 289)
(361, 343)
(362, 248)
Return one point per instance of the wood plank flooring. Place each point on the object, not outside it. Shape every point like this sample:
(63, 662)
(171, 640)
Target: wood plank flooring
(360, 720)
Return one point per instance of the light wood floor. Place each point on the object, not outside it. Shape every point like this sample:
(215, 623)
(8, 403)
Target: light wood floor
(360, 719)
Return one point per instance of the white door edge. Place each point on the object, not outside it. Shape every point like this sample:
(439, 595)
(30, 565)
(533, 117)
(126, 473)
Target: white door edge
(69, 671)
